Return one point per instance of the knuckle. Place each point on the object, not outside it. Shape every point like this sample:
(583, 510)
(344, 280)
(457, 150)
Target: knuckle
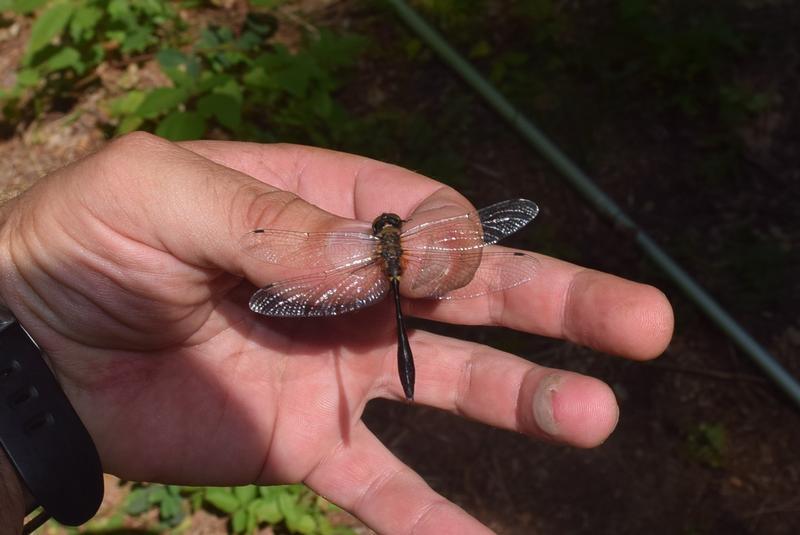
(135, 143)
(118, 158)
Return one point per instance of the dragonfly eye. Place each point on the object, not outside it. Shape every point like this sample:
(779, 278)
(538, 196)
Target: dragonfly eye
(386, 220)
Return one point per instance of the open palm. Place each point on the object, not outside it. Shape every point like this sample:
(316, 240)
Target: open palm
(125, 268)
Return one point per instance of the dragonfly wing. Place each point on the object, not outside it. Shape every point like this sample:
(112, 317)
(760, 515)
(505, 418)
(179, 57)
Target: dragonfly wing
(327, 294)
(505, 218)
(457, 233)
(321, 251)
(471, 230)
(468, 274)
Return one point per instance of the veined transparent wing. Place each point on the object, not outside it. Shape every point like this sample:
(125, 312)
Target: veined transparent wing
(327, 294)
(471, 230)
(505, 218)
(320, 251)
(462, 275)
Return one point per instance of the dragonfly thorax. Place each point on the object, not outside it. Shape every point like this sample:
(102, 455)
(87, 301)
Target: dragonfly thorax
(386, 227)
(386, 220)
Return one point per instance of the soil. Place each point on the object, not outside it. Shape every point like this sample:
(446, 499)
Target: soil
(738, 235)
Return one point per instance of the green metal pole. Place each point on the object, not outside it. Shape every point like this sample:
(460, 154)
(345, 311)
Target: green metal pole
(601, 201)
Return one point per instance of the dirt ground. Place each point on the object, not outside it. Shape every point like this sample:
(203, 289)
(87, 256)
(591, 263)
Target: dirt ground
(661, 471)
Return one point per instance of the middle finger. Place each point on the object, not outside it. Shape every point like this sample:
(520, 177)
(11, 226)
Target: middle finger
(563, 300)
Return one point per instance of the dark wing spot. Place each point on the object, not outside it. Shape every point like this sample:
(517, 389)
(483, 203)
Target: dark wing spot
(258, 231)
(519, 254)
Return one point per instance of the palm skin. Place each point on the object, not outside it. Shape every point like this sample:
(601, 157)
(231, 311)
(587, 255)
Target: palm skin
(124, 267)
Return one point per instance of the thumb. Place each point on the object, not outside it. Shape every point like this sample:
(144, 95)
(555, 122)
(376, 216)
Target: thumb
(174, 200)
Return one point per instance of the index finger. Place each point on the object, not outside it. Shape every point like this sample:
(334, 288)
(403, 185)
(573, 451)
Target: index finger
(343, 184)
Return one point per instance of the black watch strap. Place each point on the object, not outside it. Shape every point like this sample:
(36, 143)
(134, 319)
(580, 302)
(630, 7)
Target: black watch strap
(41, 433)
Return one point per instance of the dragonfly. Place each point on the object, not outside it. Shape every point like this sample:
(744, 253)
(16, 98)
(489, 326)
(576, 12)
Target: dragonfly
(446, 259)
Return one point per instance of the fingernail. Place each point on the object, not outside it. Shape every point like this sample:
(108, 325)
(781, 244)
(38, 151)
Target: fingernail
(543, 404)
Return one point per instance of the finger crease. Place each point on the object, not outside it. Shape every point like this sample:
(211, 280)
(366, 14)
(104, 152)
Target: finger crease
(375, 486)
(565, 305)
(465, 382)
(427, 512)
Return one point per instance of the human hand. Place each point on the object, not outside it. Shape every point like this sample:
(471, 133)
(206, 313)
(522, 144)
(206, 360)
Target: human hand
(125, 268)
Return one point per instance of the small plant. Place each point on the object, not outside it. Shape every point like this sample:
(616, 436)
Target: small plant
(706, 444)
(232, 82)
(245, 86)
(293, 506)
(70, 38)
(168, 499)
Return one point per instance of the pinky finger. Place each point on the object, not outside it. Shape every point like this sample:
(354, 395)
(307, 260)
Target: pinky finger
(365, 478)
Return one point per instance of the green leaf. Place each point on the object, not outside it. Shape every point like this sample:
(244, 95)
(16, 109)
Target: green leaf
(157, 493)
(137, 40)
(26, 6)
(239, 521)
(47, 26)
(196, 500)
(281, 70)
(324, 526)
(129, 124)
(169, 58)
(271, 492)
(257, 78)
(180, 68)
(228, 111)
(181, 126)
(171, 510)
(115, 36)
(333, 51)
(306, 524)
(252, 523)
(64, 58)
(265, 510)
(210, 82)
(161, 100)
(288, 506)
(245, 494)
(84, 21)
(28, 77)
(125, 104)
(221, 497)
(120, 10)
(231, 88)
(137, 501)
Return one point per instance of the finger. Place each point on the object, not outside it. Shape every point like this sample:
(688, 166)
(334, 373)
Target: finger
(563, 300)
(364, 477)
(601, 311)
(505, 391)
(343, 184)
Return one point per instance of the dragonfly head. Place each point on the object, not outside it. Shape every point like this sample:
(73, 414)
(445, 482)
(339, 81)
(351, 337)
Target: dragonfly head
(386, 220)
